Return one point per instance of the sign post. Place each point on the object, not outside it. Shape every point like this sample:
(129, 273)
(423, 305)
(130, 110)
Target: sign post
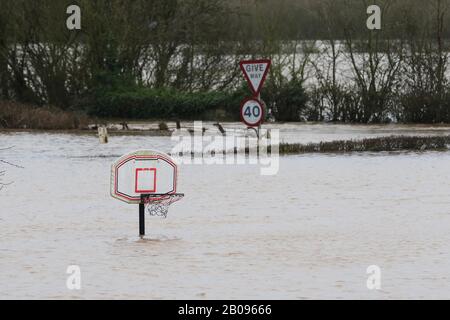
(252, 109)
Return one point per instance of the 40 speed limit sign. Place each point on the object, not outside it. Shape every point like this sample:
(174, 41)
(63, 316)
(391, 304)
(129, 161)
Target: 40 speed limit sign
(252, 112)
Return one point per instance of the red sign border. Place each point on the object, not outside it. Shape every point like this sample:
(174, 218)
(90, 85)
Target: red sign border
(242, 63)
(263, 116)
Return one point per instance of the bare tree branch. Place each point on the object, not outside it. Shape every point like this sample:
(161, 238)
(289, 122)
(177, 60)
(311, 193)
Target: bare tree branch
(11, 164)
(3, 172)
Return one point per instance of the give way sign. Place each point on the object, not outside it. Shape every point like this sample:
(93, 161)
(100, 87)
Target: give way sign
(255, 72)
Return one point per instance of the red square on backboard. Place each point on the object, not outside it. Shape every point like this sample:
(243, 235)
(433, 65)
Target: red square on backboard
(145, 180)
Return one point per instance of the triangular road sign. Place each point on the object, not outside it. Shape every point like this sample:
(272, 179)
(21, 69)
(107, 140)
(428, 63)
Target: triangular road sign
(255, 72)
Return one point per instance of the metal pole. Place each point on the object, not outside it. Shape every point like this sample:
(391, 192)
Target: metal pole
(259, 127)
(142, 220)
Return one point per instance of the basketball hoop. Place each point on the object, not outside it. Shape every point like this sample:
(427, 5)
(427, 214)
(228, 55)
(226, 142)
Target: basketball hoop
(146, 178)
(157, 205)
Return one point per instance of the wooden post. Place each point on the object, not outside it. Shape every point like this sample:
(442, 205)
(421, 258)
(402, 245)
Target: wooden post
(103, 135)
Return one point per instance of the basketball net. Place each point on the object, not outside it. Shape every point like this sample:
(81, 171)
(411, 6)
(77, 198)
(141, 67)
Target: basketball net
(158, 205)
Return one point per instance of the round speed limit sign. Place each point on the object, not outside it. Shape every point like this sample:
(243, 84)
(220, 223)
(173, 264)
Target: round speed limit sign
(252, 112)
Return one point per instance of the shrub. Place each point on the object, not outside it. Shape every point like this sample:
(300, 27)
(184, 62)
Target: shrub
(21, 116)
(382, 144)
(422, 107)
(146, 103)
(163, 126)
(334, 104)
(288, 100)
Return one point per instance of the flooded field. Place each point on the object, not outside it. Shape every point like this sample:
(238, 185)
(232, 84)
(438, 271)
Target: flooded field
(314, 133)
(309, 232)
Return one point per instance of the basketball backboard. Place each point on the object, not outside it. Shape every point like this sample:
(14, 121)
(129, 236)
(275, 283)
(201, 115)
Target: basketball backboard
(143, 173)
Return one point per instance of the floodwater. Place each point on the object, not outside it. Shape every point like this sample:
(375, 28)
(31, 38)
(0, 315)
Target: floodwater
(312, 133)
(311, 231)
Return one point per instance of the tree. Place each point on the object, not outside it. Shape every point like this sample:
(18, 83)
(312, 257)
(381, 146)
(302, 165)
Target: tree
(331, 92)
(427, 97)
(376, 58)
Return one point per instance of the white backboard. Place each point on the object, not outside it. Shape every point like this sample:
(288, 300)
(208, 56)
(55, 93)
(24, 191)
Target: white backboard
(143, 172)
